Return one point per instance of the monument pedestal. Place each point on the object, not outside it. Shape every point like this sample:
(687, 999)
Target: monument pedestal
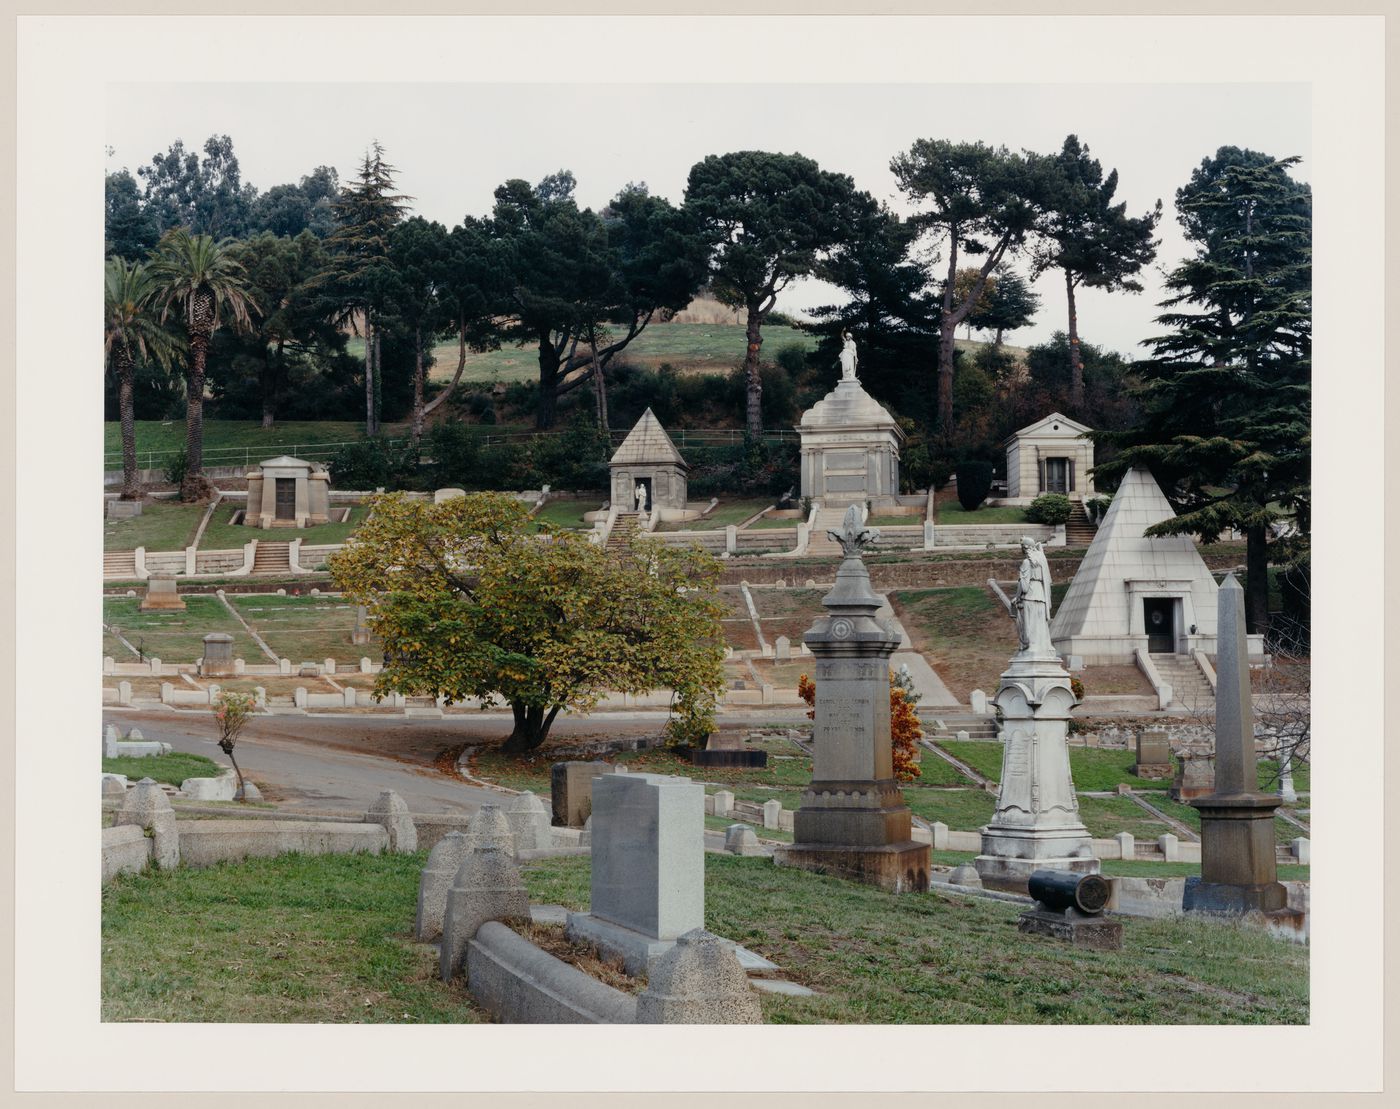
(1239, 870)
(853, 821)
(1073, 927)
(1036, 825)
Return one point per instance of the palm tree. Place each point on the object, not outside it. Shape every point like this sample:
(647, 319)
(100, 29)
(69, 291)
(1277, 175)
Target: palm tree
(199, 278)
(131, 327)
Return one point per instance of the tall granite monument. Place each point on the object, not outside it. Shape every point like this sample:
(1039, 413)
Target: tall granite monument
(1239, 868)
(853, 821)
(1036, 825)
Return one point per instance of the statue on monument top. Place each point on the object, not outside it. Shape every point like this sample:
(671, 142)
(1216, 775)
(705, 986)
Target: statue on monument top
(1031, 604)
(854, 535)
(848, 357)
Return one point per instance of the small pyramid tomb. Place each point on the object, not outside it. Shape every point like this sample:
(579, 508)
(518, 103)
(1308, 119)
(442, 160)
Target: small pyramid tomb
(1136, 592)
(648, 458)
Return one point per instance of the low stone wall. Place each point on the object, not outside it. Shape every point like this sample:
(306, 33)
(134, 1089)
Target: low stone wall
(167, 562)
(206, 842)
(518, 983)
(125, 850)
(314, 558)
(979, 535)
(1161, 897)
(218, 562)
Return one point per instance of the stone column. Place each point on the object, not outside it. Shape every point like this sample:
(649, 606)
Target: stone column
(853, 820)
(1239, 868)
(1036, 825)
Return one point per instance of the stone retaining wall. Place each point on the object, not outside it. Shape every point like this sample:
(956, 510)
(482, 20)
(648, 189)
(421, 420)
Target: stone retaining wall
(125, 850)
(206, 842)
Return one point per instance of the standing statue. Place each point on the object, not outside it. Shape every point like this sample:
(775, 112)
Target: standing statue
(640, 492)
(1031, 604)
(848, 357)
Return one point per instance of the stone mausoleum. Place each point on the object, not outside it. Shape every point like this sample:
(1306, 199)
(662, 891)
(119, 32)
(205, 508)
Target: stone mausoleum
(648, 458)
(288, 492)
(850, 449)
(1049, 456)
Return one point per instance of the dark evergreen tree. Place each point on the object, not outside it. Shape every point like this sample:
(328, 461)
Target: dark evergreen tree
(770, 218)
(357, 278)
(130, 231)
(1011, 306)
(1226, 400)
(983, 202)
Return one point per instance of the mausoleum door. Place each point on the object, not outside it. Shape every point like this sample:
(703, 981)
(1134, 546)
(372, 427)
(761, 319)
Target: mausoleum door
(1057, 475)
(1158, 618)
(286, 498)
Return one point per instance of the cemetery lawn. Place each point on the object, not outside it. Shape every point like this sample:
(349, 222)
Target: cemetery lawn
(162, 526)
(963, 632)
(296, 939)
(177, 636)
(303, 629)
(725, 513)
(221, 535)
(252, 441)
(567, 514)
(933, 958)
(172, 769)
(688, 347)
(950, 512)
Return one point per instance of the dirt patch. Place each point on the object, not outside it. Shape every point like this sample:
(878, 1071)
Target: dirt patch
(582, 956)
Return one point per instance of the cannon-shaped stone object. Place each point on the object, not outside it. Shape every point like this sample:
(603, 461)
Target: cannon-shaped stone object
(1069, 907)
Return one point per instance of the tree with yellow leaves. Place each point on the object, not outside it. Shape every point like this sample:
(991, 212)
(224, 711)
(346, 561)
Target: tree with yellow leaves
(471, 602)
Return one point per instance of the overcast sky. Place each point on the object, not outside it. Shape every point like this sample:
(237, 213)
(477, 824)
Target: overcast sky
(454, 143)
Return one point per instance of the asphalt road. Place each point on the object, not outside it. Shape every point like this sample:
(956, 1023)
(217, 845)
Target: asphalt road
(345, 761)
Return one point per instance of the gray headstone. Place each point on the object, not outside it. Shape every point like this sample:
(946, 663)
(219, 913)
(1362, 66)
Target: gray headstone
(699, 981)
(444, 861)
(782, 648)
(390, 811)
(529, 823)
(965, 875)
(724, 802)
(739, 839)
(648, 853)
(487, 886)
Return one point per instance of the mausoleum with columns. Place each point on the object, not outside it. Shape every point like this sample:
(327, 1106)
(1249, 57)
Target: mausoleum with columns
(287, 492)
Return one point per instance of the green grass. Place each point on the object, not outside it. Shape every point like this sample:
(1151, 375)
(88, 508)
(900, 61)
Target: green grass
(895, 522)
(177, 636)
(768, 523)
(689, 347)
(725, 513)
(965, 810)
(1143, 868)
(305, 628)
(934, 771)
(296, 939)
(952, 513)
(327, 939)
(221, 535)
(173, 768)
(1107, 816)
(162, 526)
(567, 514)
(248, 438)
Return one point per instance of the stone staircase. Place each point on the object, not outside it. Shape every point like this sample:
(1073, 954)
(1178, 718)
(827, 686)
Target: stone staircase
(1189, 685)
(819, 544)
(118, 564)
(272, 558)
(1079, 532)
(625, 528)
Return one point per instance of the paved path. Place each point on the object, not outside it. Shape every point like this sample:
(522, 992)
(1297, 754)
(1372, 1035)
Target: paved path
(344, 761)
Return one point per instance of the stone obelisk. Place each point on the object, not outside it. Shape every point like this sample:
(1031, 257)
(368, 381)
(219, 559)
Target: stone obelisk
(1036, 825)
(1239, 868)
(853, 821)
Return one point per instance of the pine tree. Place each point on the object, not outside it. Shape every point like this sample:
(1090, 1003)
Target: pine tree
(357, 280)
(1226, 412)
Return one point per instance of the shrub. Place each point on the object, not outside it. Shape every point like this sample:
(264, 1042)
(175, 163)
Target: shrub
(1049, 508)
(974, 483)
(1096, 507)
(372, 463)
(175, 469)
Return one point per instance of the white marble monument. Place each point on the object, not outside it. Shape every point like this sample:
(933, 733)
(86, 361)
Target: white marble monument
(1036, 825)
(850, 444)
